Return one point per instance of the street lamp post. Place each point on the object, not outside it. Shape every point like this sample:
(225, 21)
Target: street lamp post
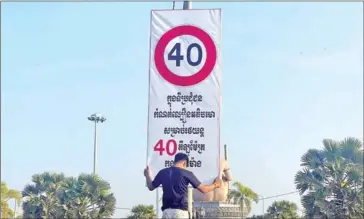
(262, 198)
(96, 118)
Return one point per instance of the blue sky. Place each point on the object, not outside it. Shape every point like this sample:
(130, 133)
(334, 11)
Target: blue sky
(292, 75)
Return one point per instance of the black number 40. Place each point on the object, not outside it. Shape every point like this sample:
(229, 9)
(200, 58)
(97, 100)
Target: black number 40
(178, 57)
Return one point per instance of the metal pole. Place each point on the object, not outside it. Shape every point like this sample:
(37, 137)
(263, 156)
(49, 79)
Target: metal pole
(263, 206)
(95, 147)
(157, 202)
(187, 5)
(262, 198)
(190, 202)
(226, 158)
(225, 152)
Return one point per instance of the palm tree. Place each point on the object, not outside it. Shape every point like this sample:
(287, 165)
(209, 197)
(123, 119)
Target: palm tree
(55, 196)
(241, 192)
(331, 181)
(41, 197)
(7, 195)
(88, 196)
(142, 212)
(283, 209)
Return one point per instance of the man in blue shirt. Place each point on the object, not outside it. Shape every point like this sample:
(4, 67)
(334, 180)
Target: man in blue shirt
(175, 181)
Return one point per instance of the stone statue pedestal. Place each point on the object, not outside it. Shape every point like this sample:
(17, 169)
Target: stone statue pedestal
(223, 210)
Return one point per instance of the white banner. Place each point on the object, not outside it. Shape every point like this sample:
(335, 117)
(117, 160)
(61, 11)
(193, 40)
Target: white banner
(184, 90)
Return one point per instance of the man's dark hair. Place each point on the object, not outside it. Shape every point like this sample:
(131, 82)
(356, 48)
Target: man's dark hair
(181, 157)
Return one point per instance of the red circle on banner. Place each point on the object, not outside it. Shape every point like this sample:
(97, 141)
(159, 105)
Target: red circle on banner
(203, 73)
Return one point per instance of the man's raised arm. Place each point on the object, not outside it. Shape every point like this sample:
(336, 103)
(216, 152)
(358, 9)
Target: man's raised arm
(152, 184)
(208, 188)
(203, 187)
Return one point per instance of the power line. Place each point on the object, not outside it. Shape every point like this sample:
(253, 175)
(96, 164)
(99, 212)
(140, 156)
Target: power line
(264, 198)
(279, 195)
(123, 208)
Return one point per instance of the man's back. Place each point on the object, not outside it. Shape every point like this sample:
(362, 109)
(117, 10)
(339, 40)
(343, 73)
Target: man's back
(175, 183)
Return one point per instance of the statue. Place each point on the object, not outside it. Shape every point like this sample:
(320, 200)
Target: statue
(214, 204)
(219, 194)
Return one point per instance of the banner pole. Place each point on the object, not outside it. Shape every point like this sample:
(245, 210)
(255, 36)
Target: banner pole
(226, 158)
(157, 202)
(187, 5)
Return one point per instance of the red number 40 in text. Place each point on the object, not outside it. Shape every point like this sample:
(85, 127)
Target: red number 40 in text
(170, 147)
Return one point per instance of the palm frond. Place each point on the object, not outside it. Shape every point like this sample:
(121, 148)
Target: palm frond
(330, 184)
(53, 195)
(313, 158)
(332, 150)
(246, 191)
(352, 149)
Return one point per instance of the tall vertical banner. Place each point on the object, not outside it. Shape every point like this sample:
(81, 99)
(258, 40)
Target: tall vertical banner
(184, 90)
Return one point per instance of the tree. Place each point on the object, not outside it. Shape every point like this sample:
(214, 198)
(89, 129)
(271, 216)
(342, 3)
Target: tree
(241, 192)
(266, 216)
(87, 196)
(283, 209)
(19, 216)
(7, 195)
(53, 195)
(258, 217)
(41, 198)
(142, 212)
(331, 181)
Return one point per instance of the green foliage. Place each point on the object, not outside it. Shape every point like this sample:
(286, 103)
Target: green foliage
(53, 195)
(266, 216)
(256, 217)
(283, 209)
(331, 181)
(241, 192)
(20, 216)
(142, 212)
(7, 195)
